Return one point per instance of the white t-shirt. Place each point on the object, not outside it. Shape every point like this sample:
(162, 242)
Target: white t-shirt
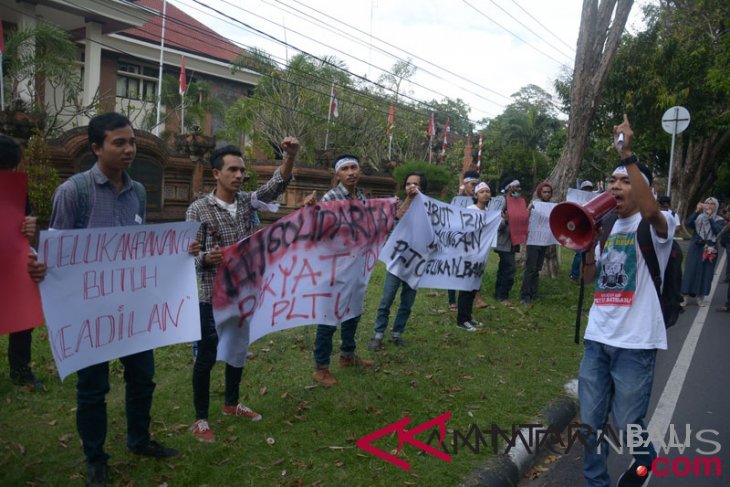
(626, 312)
(229, 207)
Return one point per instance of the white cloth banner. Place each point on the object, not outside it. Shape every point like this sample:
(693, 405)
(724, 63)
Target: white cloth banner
(579, 196)
(462, 201)
(312, 266)
(116, 291)
(441, 246)
(538, 232)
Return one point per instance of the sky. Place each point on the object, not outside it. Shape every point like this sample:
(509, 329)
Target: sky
(481, 51)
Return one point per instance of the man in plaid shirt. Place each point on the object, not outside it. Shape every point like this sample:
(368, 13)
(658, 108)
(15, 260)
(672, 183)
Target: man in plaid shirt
(226, 217)
(347, 173)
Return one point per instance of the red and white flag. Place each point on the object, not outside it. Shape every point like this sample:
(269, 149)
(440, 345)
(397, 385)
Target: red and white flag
(479, 154)
(2, 38)
(446, 139)
(334, 104)
(391, 120)
(431, 127)
(183, 78)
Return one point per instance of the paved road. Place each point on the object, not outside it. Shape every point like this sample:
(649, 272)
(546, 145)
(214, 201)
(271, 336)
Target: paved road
(691, 389)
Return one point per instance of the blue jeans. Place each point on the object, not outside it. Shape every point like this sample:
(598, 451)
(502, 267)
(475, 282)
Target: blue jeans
(575, 268)
(617, 381)
(407, 297)
(91, 389)
(323, 341)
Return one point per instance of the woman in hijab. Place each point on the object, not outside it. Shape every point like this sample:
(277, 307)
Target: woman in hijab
(702, 254)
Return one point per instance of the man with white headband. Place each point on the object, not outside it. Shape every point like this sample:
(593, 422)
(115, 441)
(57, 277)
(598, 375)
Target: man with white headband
(625, 325)
(347, 173)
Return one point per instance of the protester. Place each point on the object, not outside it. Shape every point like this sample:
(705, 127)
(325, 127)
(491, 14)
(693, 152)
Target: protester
(575, 267)
(724, 240)
(464, 320)
(105, 196)
(471, 179)
(505, 248)
(227, 215)
(665, 204)
(347, 174)
(19, 342)
(625, 324)
(415, 182)
(535, 254)
(702, 253)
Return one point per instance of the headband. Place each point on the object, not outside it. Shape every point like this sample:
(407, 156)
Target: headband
(346, 160)
(471, 180)
(621, 171)
(481, 186)
(514, 182)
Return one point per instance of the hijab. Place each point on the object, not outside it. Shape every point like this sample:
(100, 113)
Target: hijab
(703, 223)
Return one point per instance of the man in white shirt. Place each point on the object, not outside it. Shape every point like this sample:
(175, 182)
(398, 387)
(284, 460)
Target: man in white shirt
(625, 325)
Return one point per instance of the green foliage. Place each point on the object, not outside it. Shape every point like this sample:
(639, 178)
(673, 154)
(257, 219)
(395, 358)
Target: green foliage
(440, 179)
(40, 52)
(43, 178)
(252, 181)
(524, 141)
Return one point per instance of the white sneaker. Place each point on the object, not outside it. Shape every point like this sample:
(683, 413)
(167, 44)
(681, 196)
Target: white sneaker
(466, 326)
(701, 301)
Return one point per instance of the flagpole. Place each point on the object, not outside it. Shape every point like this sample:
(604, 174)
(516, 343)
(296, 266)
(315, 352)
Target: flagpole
(182, 114)
(329, 116)
(430, 149)
(2, 83)
(159, 77)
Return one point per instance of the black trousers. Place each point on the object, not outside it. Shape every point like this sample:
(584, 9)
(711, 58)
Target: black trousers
(204, 362)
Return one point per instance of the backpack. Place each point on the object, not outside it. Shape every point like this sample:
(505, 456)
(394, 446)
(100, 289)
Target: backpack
(82, 181)
(670, 295)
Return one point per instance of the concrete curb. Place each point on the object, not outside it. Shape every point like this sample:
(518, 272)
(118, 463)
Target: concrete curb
(507, 470)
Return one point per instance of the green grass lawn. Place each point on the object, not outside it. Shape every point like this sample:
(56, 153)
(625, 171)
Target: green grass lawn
(503, 374)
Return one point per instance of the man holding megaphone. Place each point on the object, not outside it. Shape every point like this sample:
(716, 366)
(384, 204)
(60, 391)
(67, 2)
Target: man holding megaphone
(625, 325)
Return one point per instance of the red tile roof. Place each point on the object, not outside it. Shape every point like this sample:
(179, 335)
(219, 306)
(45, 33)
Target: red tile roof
(183, 32)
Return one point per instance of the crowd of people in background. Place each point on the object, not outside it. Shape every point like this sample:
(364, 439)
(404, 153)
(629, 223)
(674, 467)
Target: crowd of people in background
(227, 215)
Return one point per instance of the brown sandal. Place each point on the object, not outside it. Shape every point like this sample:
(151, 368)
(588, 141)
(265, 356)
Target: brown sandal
(723, 309)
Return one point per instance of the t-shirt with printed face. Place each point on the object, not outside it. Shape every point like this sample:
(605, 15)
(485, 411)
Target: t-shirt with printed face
(626, 312)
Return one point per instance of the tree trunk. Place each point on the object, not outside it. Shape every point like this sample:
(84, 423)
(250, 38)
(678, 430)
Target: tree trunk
(696, 170)
(597, 43)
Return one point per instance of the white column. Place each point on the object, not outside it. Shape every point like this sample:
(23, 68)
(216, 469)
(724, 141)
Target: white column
(92, 65)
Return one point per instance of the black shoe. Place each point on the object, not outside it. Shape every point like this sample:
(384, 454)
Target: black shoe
(632, 478)
(375, 344)
(156, 450)
(398, 341)
(97, 475)
(24, 377)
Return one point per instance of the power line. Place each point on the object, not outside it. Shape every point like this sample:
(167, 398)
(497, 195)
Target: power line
(410, 54)
(511, 33)
(526, 27)
(543, 26)
(325, 45)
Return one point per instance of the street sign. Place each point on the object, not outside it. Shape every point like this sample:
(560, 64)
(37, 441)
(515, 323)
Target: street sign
(675, 120)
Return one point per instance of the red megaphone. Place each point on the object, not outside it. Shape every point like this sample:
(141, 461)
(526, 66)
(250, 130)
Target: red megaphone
(574, 226)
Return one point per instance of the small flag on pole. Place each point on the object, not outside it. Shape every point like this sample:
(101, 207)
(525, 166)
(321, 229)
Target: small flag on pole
(479, 154)
(446, 139)
(431, 127)
(391, 120)
(183, 78)
(334, 104)
(2, 38)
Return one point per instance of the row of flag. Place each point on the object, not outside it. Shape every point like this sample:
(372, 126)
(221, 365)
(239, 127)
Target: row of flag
(334, 112)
